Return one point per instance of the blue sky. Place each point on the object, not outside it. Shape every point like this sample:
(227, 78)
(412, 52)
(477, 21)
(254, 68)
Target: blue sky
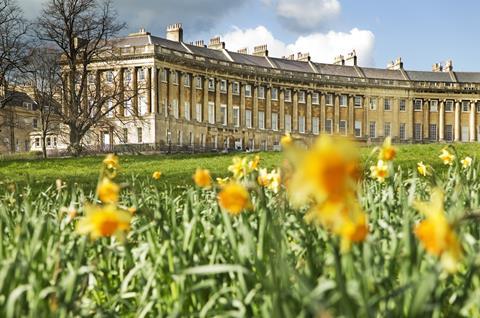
(422, 32)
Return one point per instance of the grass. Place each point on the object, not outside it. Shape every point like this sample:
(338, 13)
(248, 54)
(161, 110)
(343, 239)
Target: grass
(184, 257)
(178, 169)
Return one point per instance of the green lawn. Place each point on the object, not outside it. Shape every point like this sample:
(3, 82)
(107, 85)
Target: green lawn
(177, 169)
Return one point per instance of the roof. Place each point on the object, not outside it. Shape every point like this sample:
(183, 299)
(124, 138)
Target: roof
(300, 66)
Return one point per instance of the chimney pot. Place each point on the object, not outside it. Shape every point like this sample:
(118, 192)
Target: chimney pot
(175, 32)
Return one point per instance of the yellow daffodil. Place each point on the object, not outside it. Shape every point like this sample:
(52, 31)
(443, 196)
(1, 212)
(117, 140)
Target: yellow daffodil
(156, 175)
(102, 221)
(466, 162)
(379, 171)
(111, 161)
(239, 167)
(108, 191)
(263, 177)
(202, 178)
(447, 157)
(286, 141)
(234, 198)
(223, 181)
(254, 164)
(270, 180)
(387, 151)
(422, 169)
(436, 234)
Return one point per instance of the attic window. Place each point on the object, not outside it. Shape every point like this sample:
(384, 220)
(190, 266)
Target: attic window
(27, 105)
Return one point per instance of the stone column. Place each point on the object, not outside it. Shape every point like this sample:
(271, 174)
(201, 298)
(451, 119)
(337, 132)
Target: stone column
(181, 97)
(255, 107)
(351, 116)
(336, 114)
(308, 116)
(323, 113)
(458, 129)
(366, 124)
(120, 81)
(230, 103)
(268, 108)
(170, 94)
(282, 109)
(395, 118)
(218, 113)
(242, 105)
(411, 123)
(155, 93)
(473, 132)
(426, 119)
(136, 92)
(380, 117)
(205, 99)
(441, 121)
(295, 112)
(193, 98)
(148, 89)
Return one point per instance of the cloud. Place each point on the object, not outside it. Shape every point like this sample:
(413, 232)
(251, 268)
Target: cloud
(307, 15)
(323, 47)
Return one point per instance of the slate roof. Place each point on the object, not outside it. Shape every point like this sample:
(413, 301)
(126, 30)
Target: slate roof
(260, 61)
(290, 65)
(423, 76)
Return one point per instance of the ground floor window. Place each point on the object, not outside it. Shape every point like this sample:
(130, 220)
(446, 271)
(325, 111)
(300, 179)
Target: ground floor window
(418, 131)
(449, 132)
(316, 125)
(343, 127)
(139, 135)
(387, 129)
(358, 128)
(328, 126)
(373, 129)
(432, 132)
(402, 132)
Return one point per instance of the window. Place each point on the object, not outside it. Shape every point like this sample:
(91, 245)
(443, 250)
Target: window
(402, 132)
(432, 132)
(343, 100)
(186, 80)
(174, 77)
(175, 108)
(54, 141)
(211, 84)
(164, 75)
(49, 141)
(449, 106)
(141, 74)
(434, 105)
(125, 135)
(288, 123)
(342, 127)
(211, 113)
(315, 98)
(139, 135)
(301, 124)
(478, 107)
(465, 106)
(127, 108)
(387, 104)
(261, 120)
(418, 131)
(109, 77)
(328, 126)
(316, 125)
(248, 90)
(198, 111)
(358, 102)
(449, 132)
(142, 105)
(236, 88)
(301, 96)
(35, 123)
(198, 82)
(261, 92)
(186, 110)
(109, 109)
(358, 128)
(223, 86)
(387, 129)
(223, 114)
(274, 121)
(236, 116)
(127, 76)
(165, 106)
(403, 105)
(373, 103)
(329, 99)
(37, 142)
(417, 105)
(373, 129)
(288, 95)
(274, 93)
(248, 118)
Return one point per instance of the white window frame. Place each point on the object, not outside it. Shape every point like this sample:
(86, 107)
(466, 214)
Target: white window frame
(417, 105)
(236, 88)
(236, 116)
(274, 92)
(186, 110)
(343, 100)
(301, 97)
(432, 103)
(261, 92)
(373, 103)
(248, 90)
(211, 113)
(329, 126)
(402, 105)
(449, 106)
(274, 121)
(261, 120)
(372, 134)
(199, 114)
(223, 114)
(358, 101)
(345, 129)
(329, 99)
(315, 125)
(315, 98)
(211, 84)
(288, 123)
(387, 126)
(288, 96)
(387, 104)
(223, 86)
(358, 128)
(301, 124)
(248, 118)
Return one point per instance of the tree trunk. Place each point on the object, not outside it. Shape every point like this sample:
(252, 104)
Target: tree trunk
(75, 147)
(44, 145)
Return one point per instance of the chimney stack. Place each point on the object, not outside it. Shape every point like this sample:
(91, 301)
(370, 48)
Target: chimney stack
(243, 50)
(448, 66)
(216, 44)
(437, 67)
(351, 59)
(303, 57)
(175, 32)
(395, 66)
(290, 57)
(339, 60)
(199, 43)
(260, 50)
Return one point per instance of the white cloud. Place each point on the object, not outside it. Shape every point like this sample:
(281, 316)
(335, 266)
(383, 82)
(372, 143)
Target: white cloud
(307, 15)
(323, 47)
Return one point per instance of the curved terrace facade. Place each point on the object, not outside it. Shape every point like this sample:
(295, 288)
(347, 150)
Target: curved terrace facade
(190, 94)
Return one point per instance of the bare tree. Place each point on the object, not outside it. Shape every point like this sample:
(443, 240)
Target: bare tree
(13, 48)
(45, 80)
(83, 31)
